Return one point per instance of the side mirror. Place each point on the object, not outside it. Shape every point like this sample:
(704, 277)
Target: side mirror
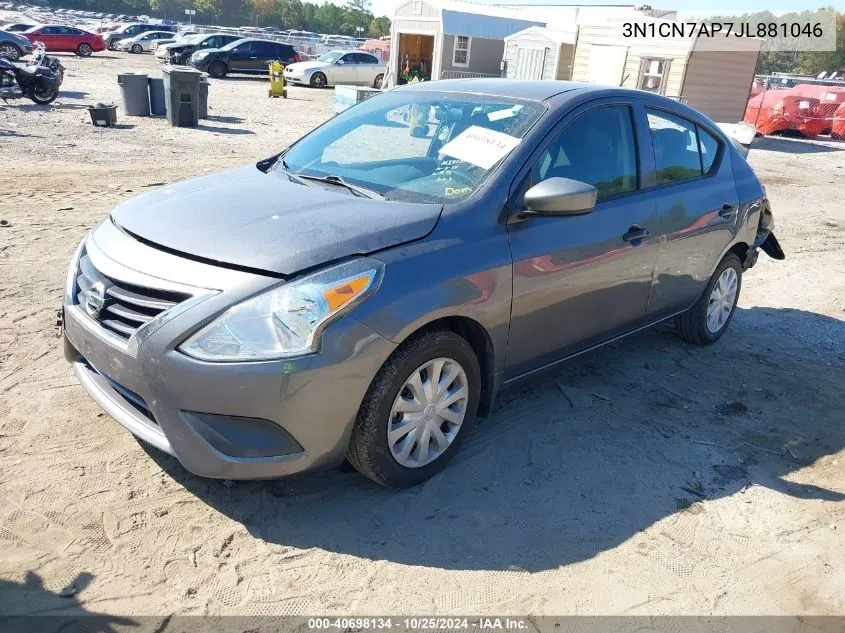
(559, 197)
(340, 62)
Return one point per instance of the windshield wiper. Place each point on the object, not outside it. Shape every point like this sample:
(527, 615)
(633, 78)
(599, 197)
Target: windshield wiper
(331, 179)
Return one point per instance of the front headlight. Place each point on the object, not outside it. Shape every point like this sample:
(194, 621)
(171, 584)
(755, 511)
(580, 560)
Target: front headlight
(200, 55)
(287, 320)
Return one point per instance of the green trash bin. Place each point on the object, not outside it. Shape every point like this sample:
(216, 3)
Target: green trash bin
(182, 95)
(134, 95)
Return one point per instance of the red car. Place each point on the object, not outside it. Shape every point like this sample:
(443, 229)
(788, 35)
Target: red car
(59, 38)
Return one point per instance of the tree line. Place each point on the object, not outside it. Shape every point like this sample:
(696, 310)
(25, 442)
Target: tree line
(800, 62)
(354, 18)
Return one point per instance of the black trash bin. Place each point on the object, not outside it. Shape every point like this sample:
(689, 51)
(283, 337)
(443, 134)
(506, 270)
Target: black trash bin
(203, 112)
(134, 94)
(182, 95)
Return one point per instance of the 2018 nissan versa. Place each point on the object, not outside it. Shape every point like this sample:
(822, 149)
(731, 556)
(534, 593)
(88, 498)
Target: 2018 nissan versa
(366, 292)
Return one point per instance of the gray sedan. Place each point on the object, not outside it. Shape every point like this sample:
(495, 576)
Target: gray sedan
(14, 46)
(365, 293)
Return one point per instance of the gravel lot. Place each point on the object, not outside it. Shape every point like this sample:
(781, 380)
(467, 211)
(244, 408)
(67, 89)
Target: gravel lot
(650, 477)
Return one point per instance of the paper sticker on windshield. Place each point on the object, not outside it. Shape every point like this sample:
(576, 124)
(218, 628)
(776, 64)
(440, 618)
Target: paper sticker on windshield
(480, 146)
(507, 113)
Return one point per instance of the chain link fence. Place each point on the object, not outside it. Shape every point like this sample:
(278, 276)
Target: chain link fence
(790, 104)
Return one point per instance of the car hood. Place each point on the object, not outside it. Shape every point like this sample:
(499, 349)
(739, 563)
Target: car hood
(266, 221)
(303, 67)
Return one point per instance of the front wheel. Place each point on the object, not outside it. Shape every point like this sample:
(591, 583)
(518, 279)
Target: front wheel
(318, 80)
(379, 80)
(10, 51)
(84, 50)
(707, 320)
(419, 409)
(137, 49)
(44, 95)
(113, 45)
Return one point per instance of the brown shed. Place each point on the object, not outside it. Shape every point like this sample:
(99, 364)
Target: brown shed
(711, 74)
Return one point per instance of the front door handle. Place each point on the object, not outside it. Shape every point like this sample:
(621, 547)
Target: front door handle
(635, 233)
(728, 210)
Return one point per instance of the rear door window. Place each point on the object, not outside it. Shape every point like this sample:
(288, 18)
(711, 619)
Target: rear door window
(676, 153)
(709, 146)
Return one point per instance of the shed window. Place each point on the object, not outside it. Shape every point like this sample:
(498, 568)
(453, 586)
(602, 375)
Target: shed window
(417, 8)
(460, 54)
(653, 74)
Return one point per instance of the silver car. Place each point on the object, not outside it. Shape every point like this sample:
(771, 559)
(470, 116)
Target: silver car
(14, 46)
(144, 42)
(366, 292)
(338, 67)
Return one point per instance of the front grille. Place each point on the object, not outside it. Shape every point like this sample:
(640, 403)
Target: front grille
(127, 307)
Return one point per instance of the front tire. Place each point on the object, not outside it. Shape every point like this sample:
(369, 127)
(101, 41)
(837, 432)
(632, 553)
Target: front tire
(418, 410)
(706, 321)
(84, 50)
(10, 51)
(113, 45)
(379, 80)
(318, 80)
(218, 70)
(137, 49)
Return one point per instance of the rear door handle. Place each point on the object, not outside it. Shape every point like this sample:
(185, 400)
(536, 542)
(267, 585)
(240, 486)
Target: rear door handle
(728, 210)
(635, 233)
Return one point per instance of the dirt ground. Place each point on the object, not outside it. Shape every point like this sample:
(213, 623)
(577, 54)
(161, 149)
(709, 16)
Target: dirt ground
(651, 477)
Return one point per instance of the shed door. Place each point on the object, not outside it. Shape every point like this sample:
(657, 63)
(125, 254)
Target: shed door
(528, 63)
(606, 64)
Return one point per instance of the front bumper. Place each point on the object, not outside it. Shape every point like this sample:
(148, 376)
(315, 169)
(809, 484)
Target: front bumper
(297, 79)
(218, 419)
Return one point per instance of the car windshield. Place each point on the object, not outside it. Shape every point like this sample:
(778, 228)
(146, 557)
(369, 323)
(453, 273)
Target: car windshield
(415, 146)
(329, 57)
(232, 45)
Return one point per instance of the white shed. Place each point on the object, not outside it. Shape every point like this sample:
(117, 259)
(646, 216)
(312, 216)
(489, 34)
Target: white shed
(540, 53)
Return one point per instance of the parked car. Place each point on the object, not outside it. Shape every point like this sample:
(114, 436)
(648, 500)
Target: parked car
(143, 42)
(338, 67)
(131, 30)
(407, 273)
(17, 27)
(68, 39)
(243, 56)
(13, 46)
(180, 52)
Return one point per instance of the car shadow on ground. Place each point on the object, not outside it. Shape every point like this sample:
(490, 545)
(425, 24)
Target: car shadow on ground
(72, 94)
(794, 145)
(578, 460)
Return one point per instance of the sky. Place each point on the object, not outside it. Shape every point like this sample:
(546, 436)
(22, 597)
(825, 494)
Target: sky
(688, 7)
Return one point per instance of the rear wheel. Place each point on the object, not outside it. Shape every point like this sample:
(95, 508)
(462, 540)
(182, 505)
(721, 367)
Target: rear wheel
(708, 319)
(42, 95)
(84, 50)
(318, 80)
(218, 70)
(419, 409)
(137, 49)
(379, 80)
(10, 51)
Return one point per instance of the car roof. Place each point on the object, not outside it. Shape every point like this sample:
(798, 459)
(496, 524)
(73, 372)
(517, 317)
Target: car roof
(494, 87)
(258, 39)
(542, 90)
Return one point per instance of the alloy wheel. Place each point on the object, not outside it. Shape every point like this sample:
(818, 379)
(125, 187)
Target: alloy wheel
(428, 412)
(10, 52)
(722, 299)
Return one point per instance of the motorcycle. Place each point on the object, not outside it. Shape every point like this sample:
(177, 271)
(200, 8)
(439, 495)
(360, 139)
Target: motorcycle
(35, 80)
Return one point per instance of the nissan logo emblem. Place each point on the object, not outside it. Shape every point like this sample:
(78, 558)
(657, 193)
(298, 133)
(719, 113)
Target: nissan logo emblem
(95, 299)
